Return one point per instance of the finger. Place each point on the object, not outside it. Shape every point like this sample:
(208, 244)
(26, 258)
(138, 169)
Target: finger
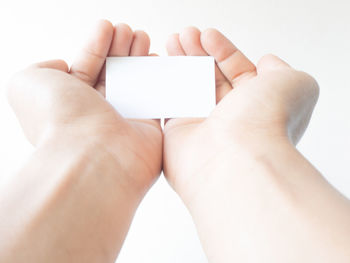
(190, 42)
(231, 61)
(90, 61)
(271, 62)
(190, 39)
(140, 45)
(174, 47)
(120, 46)
(52, 64)
(122, 40)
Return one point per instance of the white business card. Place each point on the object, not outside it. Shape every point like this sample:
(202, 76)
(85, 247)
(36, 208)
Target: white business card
(161, 87)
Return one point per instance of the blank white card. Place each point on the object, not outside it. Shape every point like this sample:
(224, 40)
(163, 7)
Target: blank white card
(161, 87)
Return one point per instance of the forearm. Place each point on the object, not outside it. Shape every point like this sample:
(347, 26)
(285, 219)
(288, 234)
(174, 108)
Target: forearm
(269, 205)
(72, 202)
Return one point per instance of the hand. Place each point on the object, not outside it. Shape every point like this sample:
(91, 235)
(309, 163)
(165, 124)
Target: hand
(55, 103)
(255, 104)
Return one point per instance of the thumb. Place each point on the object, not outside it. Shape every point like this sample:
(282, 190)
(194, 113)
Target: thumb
(271, 62)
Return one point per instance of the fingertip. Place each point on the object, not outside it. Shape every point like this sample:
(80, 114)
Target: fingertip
(104, 24)
(189, 31)
(61, 65)
(140, 44)
(212, 40)
(140, 34)
(88, 64)
(173, 38)
(233, 64)
(122, 40)
(191, 43)
(101, 33)
(173, 45)
(123, 32)
(210, 33)
(271, 62)
(123, 27)
(58, 64)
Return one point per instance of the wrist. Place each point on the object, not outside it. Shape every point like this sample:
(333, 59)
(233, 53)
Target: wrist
(235, 161)
(97, 151)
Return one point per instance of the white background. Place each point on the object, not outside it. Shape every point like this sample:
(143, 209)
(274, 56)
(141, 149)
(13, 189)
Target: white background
(311, 35)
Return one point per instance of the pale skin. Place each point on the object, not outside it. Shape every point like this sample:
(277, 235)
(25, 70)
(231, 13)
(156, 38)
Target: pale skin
(76, 196)
(252, 195)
